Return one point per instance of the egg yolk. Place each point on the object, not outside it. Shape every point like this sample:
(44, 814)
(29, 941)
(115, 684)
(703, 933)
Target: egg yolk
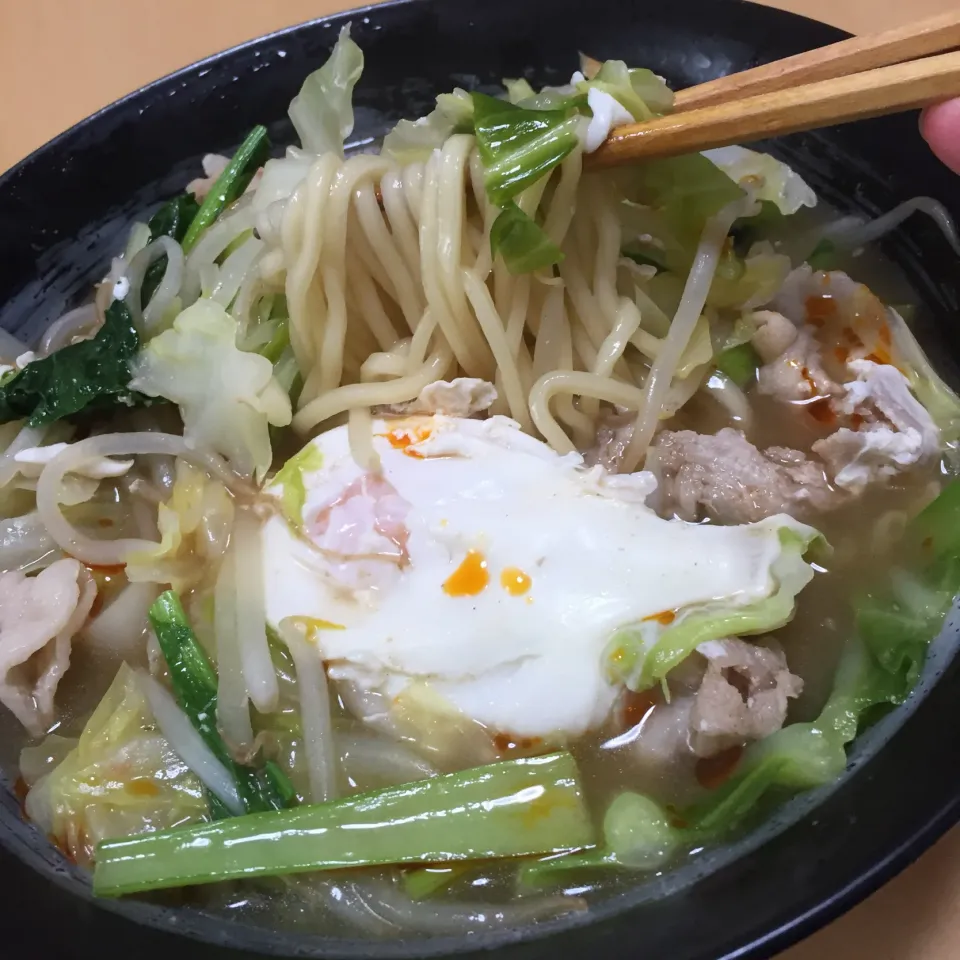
(514, 581)
(470, 578)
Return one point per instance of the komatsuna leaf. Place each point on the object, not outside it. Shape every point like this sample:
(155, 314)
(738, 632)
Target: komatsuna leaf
(91, 375)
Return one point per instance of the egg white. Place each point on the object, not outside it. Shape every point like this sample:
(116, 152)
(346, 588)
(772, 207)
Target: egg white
(527, 664)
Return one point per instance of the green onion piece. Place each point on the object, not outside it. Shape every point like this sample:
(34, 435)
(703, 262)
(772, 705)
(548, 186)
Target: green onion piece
(250, 156)
(509, 809)
(739, 363)
(521, 242)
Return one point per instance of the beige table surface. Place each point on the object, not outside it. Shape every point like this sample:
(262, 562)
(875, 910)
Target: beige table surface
(58, 64)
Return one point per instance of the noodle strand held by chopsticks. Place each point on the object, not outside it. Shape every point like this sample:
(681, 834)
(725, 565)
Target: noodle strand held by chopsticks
(391, 281)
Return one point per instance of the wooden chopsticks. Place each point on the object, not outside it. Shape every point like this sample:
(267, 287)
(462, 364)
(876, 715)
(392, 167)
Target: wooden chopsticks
(854, 79)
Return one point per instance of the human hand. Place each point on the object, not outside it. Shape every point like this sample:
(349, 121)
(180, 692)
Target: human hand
(940, 126)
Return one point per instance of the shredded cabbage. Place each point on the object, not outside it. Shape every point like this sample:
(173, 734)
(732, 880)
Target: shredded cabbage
(228, 398)
(940, 401)
(122, 778)
(411, 141)
(194, 526)
(756, 282)
(291, 478)
(764, 177)
(640, 91)
(322, 112)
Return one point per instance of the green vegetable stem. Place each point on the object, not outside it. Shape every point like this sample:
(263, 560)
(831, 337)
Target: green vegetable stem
(508, 809)
(250, 156)
(195, 688)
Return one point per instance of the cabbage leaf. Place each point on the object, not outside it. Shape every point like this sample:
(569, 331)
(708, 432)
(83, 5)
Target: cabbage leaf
(764, 177)
(189, 524)
(228, 398)
(522, 242)
(122, 778)
(640, 91)
(641, 655)
(754, 281)
(518, 146)
(290, 477)
(412, 141)
(940, 401)
(322, 112)
(684, 192)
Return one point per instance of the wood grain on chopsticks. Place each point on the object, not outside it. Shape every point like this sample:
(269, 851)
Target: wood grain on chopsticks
(933, 35)
(742, 119)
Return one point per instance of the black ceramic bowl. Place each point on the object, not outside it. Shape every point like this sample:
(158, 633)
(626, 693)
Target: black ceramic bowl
(65, 209)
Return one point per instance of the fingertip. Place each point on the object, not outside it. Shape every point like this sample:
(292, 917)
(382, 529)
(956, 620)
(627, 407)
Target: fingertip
(940, 127)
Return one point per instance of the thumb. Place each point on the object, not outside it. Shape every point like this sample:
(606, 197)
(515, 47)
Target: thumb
(940, 127)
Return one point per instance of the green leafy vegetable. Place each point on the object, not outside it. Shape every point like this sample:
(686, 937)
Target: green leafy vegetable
(521, 242)
(228, 398)
(291, 478)
(518, 146)
(411, 141)
(194, 685)
(633, 659)
(250, 156)
(685, 191)
(646, 254)
(739, 363)
(518, 90)
(322, 112)
(91, 375)
(941, 402)
(508, 809)
(121, 778)
(637, 833)
(173, 219)
(765, 177)
(749, 282)
(748, 230)
(640, 91)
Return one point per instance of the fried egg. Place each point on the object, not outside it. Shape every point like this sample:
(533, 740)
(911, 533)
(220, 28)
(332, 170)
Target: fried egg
(483, 564)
